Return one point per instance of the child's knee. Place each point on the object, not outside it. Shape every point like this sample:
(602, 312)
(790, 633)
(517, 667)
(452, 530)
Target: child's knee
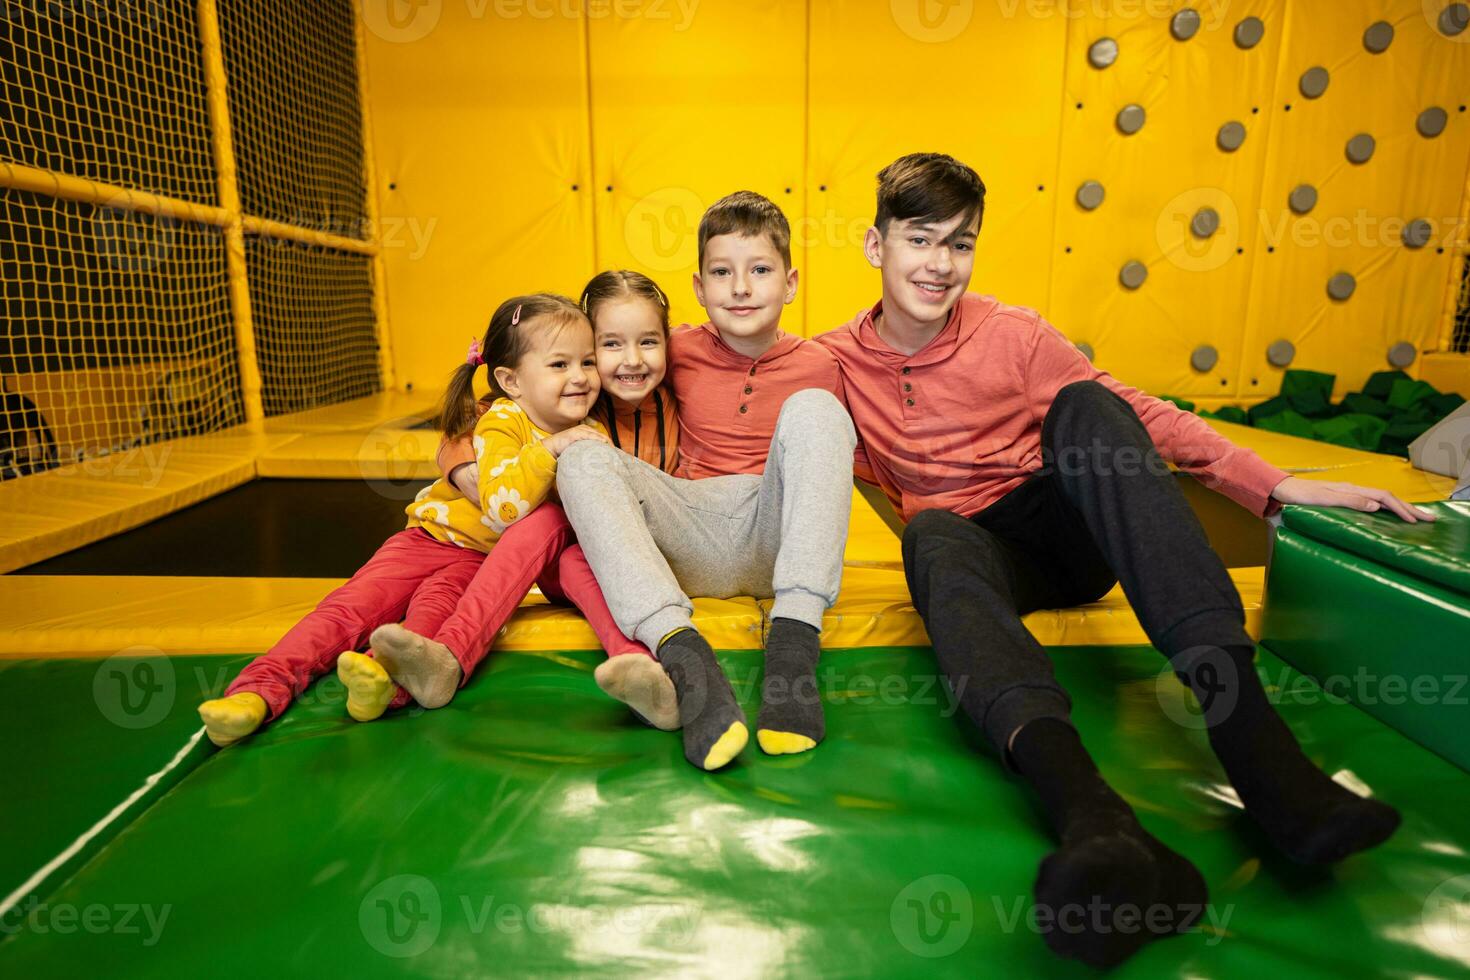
(585, 461)
(816, 410)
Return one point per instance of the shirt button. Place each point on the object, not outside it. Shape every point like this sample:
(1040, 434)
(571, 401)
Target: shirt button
(748, 389)
(905, 370)
(752, 369)
(907, 386)
(910, 403)
(742, 407)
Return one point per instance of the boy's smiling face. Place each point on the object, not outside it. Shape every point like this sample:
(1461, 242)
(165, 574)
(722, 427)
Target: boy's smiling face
(926, 265)
(742, 286)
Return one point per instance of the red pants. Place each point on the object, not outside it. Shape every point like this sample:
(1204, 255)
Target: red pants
(457, 596)
(539, 549)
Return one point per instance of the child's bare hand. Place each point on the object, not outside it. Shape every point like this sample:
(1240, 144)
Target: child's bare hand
(557, 444)
(466, 479)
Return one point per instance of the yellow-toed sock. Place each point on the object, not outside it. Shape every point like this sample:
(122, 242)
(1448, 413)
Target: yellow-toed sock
(783, 743)
(369, 688)
(227, 720)
(727, 746)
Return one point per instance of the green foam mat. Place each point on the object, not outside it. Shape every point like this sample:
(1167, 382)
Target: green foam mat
(1438, 551)
(1396, 645)
(532, 828)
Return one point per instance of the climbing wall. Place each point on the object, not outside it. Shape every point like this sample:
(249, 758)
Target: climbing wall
(1200, 194)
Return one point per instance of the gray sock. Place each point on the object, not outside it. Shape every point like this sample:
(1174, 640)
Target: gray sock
(708, 710)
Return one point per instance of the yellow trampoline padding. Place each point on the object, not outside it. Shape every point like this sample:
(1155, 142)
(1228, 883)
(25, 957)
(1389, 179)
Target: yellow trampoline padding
(386, 409)
(379, 454)
(50, 513)
(97, 616)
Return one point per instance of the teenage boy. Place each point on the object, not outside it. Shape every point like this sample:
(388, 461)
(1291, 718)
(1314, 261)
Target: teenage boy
(1032, 480)
(767, 448)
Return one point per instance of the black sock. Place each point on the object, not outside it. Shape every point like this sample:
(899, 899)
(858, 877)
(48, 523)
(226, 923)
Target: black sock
(1112, 886)
(713, 724)
(790, 705)
(1308, 817)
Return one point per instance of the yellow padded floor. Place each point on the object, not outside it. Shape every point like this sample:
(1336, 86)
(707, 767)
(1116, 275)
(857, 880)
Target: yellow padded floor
(90, 616)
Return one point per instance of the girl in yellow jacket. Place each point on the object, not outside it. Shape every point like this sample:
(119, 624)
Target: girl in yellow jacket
(539, 355)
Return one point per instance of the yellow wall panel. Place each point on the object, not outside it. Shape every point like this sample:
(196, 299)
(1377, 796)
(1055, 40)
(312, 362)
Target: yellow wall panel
(980, 81)
(1155, 181)
(480, 134)
(687, 108)
(1362, 208)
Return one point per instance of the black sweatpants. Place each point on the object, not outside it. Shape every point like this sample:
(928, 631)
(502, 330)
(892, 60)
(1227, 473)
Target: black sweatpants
(1104, 508)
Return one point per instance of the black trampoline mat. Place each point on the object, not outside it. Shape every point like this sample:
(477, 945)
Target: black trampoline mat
(266, 528)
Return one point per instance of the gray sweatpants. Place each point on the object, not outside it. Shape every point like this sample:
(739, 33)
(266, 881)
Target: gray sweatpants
(653, 540)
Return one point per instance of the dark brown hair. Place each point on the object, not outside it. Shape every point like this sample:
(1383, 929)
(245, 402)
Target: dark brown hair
(749, 214)
(620, 284)
(928, 187)
(504, 344)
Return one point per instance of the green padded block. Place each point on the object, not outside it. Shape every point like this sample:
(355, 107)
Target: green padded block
(531, 828)
(1352, 430)
(1380, 384)
(1446, 403)
(1395, 645)
(1366, 405)
(1287, 422)
(1231, 413)
(1266, 409)
(1297, 382)
(1438, 551)
(1407, 394)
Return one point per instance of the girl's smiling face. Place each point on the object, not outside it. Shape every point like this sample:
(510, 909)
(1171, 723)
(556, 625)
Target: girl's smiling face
(632, 350)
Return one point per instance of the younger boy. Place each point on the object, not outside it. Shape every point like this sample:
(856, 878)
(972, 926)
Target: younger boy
(767, 450)
(1032, 480)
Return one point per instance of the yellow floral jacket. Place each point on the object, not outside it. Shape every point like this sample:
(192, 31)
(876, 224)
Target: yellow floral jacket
(517, 473)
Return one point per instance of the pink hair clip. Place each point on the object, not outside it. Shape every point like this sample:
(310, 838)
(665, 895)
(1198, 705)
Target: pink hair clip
(474, 358)
(516, 316)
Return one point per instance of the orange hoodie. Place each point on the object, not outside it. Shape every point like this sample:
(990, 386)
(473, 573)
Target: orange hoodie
(957, 425)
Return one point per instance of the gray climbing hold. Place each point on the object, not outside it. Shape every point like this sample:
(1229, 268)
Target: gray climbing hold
(1360, 148)
(1133, 274)
(1302, 199)
(1205, 223)
(1402, 354)
(1086, 350)
(1417, 233)
(1131, 118)
(1454, 19)
(1248, 33)
(1185, 24)
(1281, 353)
(1090, 195)
(1431, 122)
(1104, 52)
(1341, 286)
(1378, 37)
(1230, 136)
(1314, 82)
(1204, 358)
